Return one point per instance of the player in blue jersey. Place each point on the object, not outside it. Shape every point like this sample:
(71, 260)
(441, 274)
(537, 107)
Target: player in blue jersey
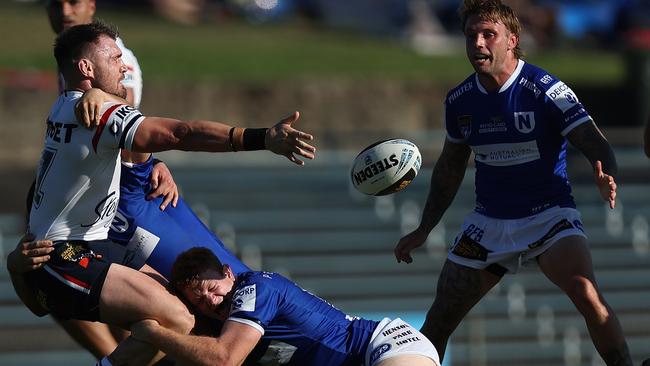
(516, 118)
(297, 327)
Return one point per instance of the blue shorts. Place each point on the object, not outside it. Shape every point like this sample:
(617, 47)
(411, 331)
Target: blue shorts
(70, 284)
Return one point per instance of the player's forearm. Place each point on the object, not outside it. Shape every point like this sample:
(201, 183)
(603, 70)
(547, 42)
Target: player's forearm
(161, 134)
(446, 179)
(592, 143)
(186, 349)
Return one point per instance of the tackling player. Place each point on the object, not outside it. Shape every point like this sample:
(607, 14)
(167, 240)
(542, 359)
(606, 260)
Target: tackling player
(516, 118)
(76, 194)
(266, 307)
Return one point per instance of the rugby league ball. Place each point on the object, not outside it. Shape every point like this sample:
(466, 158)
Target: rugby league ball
(385, 167)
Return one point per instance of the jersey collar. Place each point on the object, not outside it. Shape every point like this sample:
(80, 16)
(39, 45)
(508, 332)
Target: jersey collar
(506, 85)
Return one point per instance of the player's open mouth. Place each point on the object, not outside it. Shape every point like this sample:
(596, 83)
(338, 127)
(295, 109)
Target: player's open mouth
(481, 58)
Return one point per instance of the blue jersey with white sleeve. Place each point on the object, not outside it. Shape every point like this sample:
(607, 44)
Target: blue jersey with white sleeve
(518, 136)
(158, 237)
(317, 333)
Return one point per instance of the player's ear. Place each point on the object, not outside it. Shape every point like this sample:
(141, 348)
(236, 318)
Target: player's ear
(513, 40)
(86, 68)
(227, 271)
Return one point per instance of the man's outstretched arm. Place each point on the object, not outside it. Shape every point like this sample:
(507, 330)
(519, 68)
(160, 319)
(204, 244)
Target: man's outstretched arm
(235, 343)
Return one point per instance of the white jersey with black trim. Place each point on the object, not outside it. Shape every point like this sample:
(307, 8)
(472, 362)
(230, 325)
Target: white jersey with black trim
(518, 136)
(77, 185)
(132, 77)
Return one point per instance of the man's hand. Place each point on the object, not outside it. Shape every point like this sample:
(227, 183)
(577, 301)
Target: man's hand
(283, 139)
(409, 242)
(88, 107)
(90, 104)
(162, 184)
(29, 254)
(606, 185)
(143, 329)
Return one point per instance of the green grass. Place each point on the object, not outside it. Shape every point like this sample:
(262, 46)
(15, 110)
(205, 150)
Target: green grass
(297, 51)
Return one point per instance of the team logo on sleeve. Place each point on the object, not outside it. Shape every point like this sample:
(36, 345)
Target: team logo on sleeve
(244, 299)
(464, 125)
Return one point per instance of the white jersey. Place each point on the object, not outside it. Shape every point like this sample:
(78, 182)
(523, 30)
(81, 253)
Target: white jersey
(132, 77)
(77, 185)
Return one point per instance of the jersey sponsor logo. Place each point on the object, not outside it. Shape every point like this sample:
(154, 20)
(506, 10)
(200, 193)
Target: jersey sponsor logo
(467, 247)
(530, 86)
(562, 96)
(142, 243)
(574, 116)
(378, 351)
(244, 299)
(105, 209)
(546, 79)
(278, 353)
(496, 124)
(57, 131)
(506, 154)
(464, 123)
(525, 121)
(460, 91)
(120, 223)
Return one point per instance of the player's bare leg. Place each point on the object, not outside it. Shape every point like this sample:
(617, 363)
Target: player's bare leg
(459, 289)
(568, 265)
(129, 296)
(408, 360)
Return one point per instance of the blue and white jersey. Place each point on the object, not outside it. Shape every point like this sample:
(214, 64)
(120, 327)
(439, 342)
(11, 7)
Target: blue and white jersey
(518, 136)
(158, 237)
(315, 332)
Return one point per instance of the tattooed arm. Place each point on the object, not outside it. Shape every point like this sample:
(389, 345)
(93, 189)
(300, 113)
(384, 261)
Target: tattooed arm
(590, 141)
(445, 180)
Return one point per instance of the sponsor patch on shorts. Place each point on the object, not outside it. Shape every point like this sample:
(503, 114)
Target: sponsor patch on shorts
(378, 351)
(469, 248)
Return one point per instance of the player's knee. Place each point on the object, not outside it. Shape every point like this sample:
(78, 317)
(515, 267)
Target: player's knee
(585, 296)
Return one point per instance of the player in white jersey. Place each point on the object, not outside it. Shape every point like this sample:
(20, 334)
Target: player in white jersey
(516, 118)
(63, 14)
(77, 192)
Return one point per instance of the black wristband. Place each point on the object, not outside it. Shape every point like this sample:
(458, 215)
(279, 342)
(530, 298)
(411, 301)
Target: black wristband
(156, 161)
(230, 133)
(254, 139)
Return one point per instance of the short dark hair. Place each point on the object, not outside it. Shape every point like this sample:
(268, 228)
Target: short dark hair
(190, 264)
(493, 10)
(71, 44)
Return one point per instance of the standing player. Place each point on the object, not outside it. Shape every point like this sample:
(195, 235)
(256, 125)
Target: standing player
(516, 118)
(266, 307)
(77, 192)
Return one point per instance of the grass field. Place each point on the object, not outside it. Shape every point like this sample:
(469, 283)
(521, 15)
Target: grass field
(297, 51)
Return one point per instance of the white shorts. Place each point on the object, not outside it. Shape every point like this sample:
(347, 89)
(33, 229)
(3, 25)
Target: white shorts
(504, 245)
(396, 338)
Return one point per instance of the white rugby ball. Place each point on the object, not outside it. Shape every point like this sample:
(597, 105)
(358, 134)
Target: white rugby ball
(386, 167)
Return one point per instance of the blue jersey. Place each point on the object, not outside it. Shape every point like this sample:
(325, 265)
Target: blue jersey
(160, 236)
(285, 313)
(518, 136)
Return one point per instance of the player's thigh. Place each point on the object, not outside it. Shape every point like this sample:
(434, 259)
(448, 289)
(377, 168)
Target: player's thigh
(567, 260)
(128, 296)
(407, 360)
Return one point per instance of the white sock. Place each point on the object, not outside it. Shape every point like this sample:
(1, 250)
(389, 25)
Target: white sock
(104, 362)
